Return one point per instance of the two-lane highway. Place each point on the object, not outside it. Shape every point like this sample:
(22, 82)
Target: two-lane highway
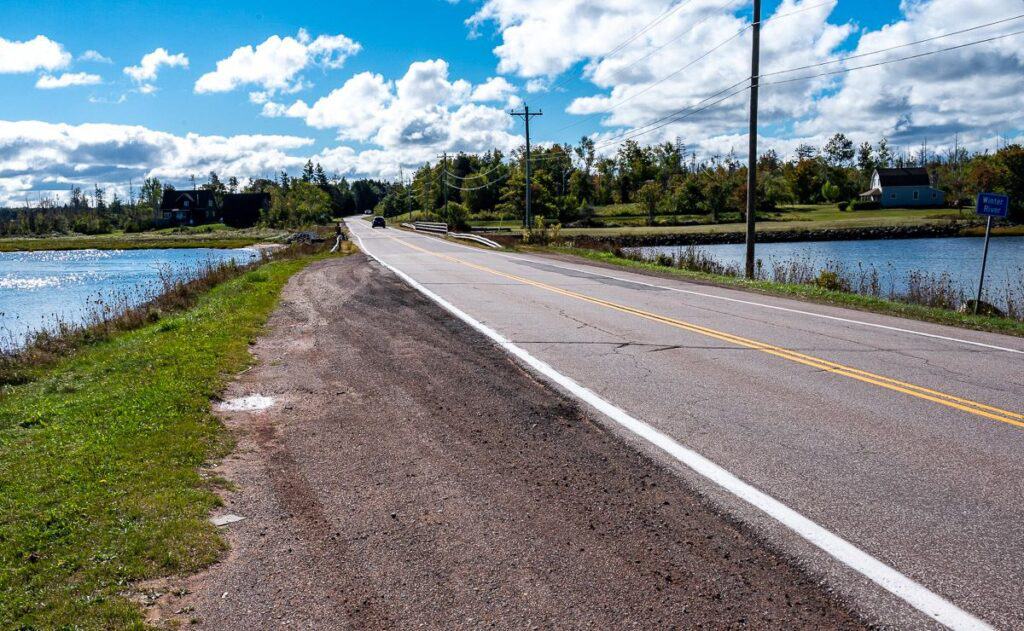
(884, 454)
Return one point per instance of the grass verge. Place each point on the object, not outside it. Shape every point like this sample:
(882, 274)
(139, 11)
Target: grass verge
(100, 454)
(808, 293)
(209, 236)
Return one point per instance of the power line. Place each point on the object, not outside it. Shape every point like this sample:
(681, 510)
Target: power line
(689, 64)
(892, 61)
(892, 48)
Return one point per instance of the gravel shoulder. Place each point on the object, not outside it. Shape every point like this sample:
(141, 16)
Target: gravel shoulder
(410, 474)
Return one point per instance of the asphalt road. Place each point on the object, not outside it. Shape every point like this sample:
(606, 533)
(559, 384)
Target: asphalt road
(902, 438)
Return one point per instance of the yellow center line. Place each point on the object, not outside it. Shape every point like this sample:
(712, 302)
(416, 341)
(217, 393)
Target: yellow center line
(920, 392)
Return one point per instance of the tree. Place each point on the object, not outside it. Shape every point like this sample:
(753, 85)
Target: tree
(650, 196)
(866, 159)
(1012, 158)
(839, 151)
(302, 204)
(805, 151)
(152, 194)
(884, 154)
(232, 184)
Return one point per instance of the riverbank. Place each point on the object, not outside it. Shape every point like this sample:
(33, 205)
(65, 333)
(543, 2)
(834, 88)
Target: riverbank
(809, 292)
(100, 455)
(209, 236)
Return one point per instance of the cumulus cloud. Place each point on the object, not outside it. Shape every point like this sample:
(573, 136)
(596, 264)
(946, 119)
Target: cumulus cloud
(40, 156)
(39, 53)
(494, 89)
(95, 56)
(275, 65)
(409, 120)
(150, 64)
(67, 79)
(660, 71)
(975, 92)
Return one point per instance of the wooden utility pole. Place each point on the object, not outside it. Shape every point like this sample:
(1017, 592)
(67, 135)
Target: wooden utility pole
(755, 70)
(444, 181)
(526, 115)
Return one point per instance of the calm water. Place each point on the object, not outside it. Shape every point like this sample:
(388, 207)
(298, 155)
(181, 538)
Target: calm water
(894, 258)
(36, 288)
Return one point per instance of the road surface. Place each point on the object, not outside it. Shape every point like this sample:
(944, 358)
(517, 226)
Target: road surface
(883, 454)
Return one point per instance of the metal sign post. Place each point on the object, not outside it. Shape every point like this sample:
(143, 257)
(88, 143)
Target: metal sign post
(991, 206)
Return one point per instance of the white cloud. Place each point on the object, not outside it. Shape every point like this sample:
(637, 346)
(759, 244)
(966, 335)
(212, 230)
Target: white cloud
(67, 79)
(494, 89)
(275, 64)
(40, 156)
(932, 98)
(976, 92)
(150, 64)
(39, 53)
(421, 114)
(95, 56)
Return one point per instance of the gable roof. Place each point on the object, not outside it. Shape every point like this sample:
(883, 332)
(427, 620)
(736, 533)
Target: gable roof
(904, 177)
(174, 200)
(239, 202)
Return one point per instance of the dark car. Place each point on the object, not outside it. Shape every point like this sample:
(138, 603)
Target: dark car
(378, 222)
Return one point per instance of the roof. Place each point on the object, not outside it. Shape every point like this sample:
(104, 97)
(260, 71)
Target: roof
(234, 202)
(875, 192)
(904, 177)
(174, 200)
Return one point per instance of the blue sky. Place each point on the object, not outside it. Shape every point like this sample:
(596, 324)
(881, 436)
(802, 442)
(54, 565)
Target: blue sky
(438, 107)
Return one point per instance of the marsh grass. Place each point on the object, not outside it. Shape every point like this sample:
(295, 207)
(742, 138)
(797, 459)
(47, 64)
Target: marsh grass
(927, 289)
(108, 314)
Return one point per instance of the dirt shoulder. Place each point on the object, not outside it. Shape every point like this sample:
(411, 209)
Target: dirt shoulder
(410, 474)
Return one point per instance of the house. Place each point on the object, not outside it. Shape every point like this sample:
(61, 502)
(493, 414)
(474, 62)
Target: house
(188, 208)
(902, 188)
(242, 210)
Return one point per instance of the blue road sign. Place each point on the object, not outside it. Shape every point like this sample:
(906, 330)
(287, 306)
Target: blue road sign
(992, 205)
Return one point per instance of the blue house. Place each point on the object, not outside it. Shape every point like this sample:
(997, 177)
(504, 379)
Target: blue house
(903, 188)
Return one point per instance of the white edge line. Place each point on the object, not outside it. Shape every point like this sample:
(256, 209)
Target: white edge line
(761, 304)
(913, 593)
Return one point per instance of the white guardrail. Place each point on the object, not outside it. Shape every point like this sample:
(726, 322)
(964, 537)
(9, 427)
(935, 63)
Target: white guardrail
(430, 226)
(477, 238)
(442, 228)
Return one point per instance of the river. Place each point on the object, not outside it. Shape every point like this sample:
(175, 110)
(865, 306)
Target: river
(38, 289)
(894, 259)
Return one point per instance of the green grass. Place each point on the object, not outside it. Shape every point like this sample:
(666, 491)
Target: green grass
(818, 217)
(208, 236)
(99, 457)
(809, 293)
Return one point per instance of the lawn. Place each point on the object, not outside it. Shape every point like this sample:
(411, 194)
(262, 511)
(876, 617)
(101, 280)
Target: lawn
(100, 483)
(207, 236)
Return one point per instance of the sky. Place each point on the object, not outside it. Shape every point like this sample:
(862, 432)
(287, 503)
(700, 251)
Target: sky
(101, 92)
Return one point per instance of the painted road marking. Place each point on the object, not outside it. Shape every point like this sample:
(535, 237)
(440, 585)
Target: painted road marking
(959, 403)
(910, 591)
(756, 304)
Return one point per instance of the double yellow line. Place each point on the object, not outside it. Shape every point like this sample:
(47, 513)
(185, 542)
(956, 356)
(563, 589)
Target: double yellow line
(935, 396)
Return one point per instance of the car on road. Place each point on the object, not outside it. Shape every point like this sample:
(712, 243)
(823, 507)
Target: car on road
(378, 222)
(367, 212)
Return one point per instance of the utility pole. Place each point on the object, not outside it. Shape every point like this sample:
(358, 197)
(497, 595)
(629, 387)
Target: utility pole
(755, 71)
(444, 181)
(526, 115)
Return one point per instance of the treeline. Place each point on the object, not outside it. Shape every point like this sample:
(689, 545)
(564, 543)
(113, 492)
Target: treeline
(307, 199)
(568, 182)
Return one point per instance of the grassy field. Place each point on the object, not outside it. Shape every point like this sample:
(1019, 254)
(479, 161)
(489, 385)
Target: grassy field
(100, 454)
(810, 293)
(208, 236)
(631, 219)
(819, 217)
